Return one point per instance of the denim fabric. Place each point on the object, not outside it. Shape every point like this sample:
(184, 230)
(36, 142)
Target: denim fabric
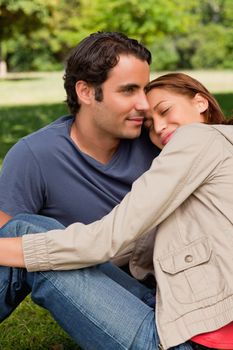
(101, 307)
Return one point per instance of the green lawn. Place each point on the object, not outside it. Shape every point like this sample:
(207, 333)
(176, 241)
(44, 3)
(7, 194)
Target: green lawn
(30, 327)
(31, 88)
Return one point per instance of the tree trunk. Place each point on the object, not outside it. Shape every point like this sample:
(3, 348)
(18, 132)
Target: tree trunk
(3, 65)
(3, 69)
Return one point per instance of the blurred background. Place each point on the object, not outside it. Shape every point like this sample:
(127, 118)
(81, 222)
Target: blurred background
(36, 35)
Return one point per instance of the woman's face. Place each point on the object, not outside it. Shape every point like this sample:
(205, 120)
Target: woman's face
(170, 110)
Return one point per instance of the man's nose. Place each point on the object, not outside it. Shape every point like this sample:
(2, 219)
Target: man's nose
(142, 103)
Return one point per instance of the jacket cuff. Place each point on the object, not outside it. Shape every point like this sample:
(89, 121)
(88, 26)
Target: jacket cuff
(35, 252)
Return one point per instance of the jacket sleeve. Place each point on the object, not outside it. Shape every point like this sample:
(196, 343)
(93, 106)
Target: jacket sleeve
(184, 164)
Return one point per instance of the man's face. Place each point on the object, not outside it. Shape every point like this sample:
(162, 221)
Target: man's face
(121, 112)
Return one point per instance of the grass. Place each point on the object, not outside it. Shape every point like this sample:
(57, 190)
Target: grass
(31, 88)
(30, 327)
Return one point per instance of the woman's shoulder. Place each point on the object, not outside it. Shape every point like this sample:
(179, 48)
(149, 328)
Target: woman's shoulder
(197, 128)
(201, 133)
(195, 136)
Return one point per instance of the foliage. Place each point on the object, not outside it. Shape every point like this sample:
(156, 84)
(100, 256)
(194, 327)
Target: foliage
(215, 48)
(28, 36)
(38, 34)
(140, 19)
(22, 16)
(210, 42)
(164, 54)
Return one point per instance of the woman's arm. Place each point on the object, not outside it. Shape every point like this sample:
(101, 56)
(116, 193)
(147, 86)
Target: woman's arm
(181, 167)
(11, 252)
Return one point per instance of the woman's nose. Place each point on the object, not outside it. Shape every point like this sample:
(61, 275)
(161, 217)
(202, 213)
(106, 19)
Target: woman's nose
(159, 125)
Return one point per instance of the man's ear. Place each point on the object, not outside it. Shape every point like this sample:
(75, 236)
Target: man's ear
(201, 103)
(84, 91)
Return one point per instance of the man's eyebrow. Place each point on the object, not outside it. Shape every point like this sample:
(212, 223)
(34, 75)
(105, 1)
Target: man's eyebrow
(128, 86)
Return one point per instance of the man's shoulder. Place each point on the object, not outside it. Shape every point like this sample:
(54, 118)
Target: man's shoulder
(59, 126)
(45, 140)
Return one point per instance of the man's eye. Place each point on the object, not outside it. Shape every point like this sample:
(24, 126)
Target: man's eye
(129, 90)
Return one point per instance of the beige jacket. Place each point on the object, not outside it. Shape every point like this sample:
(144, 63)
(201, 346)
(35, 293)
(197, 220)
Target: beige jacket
(188, 195)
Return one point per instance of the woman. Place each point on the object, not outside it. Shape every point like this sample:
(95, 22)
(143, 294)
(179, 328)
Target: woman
(185, 224)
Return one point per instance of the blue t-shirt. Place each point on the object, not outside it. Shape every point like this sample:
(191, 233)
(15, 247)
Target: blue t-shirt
(46, 173)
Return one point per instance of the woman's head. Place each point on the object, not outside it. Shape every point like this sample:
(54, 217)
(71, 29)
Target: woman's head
(177, 99)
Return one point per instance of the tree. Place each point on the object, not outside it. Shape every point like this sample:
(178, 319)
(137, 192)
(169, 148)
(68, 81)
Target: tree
(142, 20)
(38, 34)
(209, 42)
(20, 18)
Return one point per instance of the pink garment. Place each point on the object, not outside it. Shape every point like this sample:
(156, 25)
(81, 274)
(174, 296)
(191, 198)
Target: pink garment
(222, 338)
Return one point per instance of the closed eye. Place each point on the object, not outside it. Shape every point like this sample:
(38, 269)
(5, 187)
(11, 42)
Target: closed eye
(164, 111)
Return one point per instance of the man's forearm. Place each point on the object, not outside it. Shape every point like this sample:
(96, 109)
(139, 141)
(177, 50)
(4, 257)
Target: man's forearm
(11, 252)
(4, 218)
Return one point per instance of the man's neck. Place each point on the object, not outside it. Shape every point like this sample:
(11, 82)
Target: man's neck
(100, 147)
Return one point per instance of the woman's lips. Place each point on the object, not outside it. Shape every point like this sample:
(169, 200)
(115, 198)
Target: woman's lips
(166, 138)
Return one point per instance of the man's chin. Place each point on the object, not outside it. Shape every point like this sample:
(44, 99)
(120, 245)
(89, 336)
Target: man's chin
(132, 136)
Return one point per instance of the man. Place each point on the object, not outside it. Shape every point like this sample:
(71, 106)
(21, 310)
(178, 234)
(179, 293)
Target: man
(81, 166)
(77, 169)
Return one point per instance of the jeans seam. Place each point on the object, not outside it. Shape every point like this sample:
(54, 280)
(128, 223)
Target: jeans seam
(145, 340)
(86, 314)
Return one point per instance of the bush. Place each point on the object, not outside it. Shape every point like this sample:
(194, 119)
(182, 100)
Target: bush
(207, 47)
(164, 55)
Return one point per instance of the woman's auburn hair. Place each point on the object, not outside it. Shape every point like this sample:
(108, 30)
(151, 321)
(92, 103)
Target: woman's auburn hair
(184, 84)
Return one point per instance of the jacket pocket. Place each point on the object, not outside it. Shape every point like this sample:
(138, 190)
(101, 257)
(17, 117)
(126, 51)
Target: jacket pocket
(193, 273)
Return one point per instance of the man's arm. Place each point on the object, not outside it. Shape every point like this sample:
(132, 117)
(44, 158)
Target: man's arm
(4, 218)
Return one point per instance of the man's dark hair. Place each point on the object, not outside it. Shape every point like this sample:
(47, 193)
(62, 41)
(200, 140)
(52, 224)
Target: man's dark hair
(93, 58)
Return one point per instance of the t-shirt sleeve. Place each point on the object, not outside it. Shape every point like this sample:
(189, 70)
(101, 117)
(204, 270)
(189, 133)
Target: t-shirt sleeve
(22, 188)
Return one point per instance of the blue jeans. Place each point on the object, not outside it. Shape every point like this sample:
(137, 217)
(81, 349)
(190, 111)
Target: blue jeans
(100, 307)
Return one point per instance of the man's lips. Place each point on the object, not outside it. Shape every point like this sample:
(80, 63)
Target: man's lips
(166, 138)
(136, 120)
